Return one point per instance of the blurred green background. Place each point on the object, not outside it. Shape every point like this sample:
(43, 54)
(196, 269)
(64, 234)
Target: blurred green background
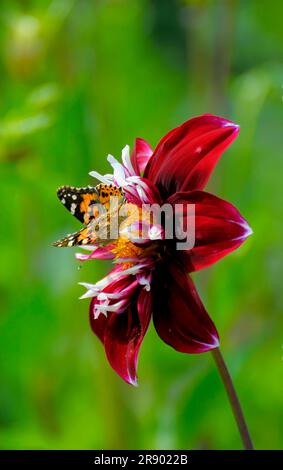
(80, 79)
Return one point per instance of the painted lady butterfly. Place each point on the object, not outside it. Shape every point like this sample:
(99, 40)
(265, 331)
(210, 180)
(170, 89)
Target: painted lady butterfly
(86, 204)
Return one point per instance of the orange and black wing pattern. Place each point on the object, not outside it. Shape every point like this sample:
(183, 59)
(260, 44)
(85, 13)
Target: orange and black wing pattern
(83, 202)
(90, 205)
(85, 236)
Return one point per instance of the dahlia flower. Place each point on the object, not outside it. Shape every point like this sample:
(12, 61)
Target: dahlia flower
(150, 278)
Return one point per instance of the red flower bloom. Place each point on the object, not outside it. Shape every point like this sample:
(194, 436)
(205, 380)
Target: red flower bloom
(151, 279)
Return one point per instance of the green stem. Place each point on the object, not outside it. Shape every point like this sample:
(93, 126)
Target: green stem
(233, 398)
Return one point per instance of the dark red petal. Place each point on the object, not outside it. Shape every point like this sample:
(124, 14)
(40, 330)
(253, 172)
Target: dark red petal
(126, 285)
(185, 157)
(123, 336)
(219, 228)
(179, 316)
(123, 285)
(97, 325)
(141, 155)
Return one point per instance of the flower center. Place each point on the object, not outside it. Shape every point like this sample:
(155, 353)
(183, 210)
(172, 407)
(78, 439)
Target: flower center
(124, 248)
(133, 242)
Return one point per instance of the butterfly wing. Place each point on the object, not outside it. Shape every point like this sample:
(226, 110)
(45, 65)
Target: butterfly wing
(82, 237)
(90, 205)
(99, 230)
(79, 201)
(83, 203)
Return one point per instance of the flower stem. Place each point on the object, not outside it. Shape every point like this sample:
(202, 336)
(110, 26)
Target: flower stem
(233, 398)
